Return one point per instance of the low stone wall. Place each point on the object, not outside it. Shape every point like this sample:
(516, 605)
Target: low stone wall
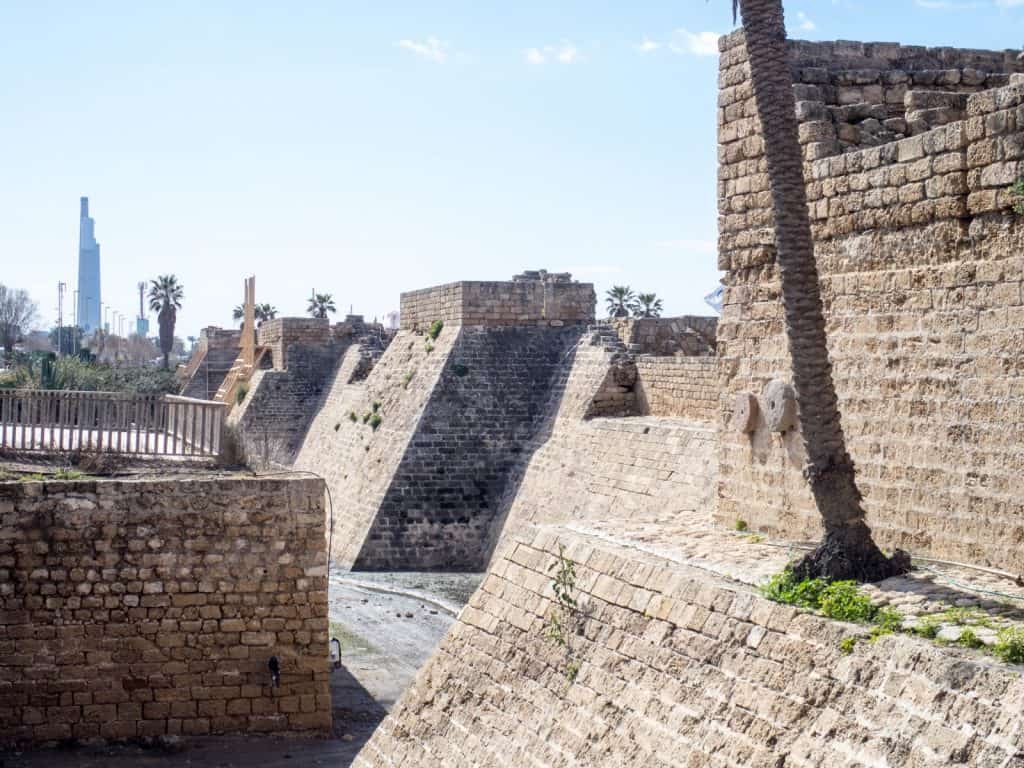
(279, 334)
(673, 666)
(143, 608)
(514, 303)
(687, 335)
(679, 387)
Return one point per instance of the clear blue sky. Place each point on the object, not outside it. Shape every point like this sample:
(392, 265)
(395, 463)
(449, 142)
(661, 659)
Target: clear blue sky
(366, 148)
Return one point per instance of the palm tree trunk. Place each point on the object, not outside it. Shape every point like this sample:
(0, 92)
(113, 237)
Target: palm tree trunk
(847, 550)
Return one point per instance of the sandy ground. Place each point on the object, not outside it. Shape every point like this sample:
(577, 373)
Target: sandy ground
(385, 639)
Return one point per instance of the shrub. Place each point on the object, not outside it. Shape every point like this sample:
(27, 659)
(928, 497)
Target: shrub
(1010, 645)
(842, 600)
(435, 329)
(429, 347)
(847, 644)
(968, 639)
(928, 627)
(460, 370)
(784, 588)
(240, 393)
(352, 416)
(375, 421)
(376, 406)
(741, 525)
(406, 379)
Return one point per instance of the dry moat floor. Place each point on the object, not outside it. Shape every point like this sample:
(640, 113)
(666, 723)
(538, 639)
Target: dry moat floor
(388, 625)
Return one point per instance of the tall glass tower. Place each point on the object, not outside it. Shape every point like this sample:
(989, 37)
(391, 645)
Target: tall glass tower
(88, 311)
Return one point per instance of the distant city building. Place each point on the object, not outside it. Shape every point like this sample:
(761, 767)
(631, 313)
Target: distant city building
(88, 310)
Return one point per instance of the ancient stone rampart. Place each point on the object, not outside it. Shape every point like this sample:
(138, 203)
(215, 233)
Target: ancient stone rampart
(920, 255)
(687, 335)
(134, 609)
(535, 300)
(212, 358)
(674, 666)
(679, 387)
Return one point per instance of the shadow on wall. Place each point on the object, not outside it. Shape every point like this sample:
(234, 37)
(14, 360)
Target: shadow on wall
(494, 405)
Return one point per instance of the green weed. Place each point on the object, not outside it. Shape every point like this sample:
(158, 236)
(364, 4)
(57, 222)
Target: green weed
(435, 329)
(1010, 645)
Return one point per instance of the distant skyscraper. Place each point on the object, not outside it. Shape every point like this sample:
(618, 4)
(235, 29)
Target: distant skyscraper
(87, 313)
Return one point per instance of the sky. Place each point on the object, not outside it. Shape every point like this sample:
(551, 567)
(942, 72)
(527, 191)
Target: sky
(367, 148)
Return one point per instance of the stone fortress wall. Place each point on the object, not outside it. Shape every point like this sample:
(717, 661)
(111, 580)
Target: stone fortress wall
(676, 666)
(211, 359)
(921, 258)
(533, 298)
(301, 357)
(132, 609)
(425, 455)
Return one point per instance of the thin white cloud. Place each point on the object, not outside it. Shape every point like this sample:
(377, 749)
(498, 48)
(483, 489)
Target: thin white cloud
(647, 46)
(694, 43)
(565, 53)
(431, 48)
(804, 22)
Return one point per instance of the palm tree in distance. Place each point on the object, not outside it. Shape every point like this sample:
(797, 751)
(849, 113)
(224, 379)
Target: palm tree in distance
(261, 311)
(165, 295)
(320, 304)
(847, 550)
(647, 305)
(619, 299)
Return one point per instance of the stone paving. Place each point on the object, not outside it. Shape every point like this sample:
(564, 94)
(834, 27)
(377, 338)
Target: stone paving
(951, 599)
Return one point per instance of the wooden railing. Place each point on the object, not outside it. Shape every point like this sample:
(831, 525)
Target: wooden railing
(58, 421)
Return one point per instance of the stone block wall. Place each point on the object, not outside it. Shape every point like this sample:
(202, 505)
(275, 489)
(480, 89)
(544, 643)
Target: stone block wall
(832, 101)
(271, 422)
(488, 404)
(600, 468)
(134, 609)
(679, 387)
(688, 335)
(677, 667)
(921, 258)
(541, 301)
(279, 334)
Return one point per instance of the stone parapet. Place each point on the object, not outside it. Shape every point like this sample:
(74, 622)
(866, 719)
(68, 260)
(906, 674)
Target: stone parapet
(528, 300)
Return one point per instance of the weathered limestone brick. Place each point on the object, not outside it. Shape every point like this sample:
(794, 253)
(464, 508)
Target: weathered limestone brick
(152, 655)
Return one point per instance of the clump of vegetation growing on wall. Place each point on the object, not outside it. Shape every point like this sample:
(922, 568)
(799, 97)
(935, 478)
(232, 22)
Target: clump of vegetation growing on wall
(435, 329)
(352, 416)
(406, 379)
(564, 620)
(844, 601)
(1018, 193)
(375, 421)
(240, 393)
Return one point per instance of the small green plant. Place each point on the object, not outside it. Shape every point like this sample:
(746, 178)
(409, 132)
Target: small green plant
(741, 525)
(842, 600)
(928, 627)
(572, 670)
(375, 421)
(352, 416)
(35, 477)
(240, 394)
(435, 329)
(429, 347)
(564, 618)
(1018, 193)
(366, 417)
(1010, 645)
(376, 406)
(968, 639)
(847, 644)
(67, 474)
(460, 370)
(406, 379)
(755, 538)
(337, 426)
(785, 588)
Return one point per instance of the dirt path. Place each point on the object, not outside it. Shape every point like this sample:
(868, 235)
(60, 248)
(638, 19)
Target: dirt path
(385, 639)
